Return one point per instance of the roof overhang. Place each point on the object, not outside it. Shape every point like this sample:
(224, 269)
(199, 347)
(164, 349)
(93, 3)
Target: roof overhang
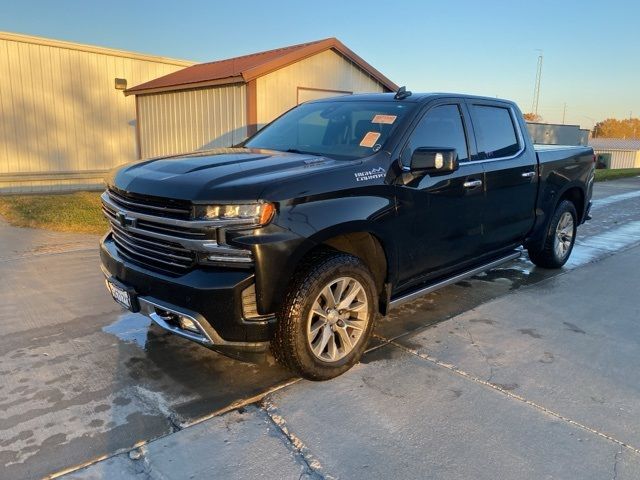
(186, 86)
(296, 54)
(314, 49)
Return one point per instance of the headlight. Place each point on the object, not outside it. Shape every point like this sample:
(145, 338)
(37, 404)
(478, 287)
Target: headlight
(249, 213)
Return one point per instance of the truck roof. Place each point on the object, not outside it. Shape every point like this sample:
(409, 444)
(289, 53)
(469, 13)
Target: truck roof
(414, 98)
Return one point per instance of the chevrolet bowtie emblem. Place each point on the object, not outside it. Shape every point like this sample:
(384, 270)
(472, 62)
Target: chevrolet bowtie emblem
(125, 221)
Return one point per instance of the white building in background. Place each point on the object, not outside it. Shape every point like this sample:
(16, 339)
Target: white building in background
(220, 103)
(69, 113)
(64, 120)
(616, 152)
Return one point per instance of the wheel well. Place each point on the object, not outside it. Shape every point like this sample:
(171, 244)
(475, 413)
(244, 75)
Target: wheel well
(575, 196)
(367, 248)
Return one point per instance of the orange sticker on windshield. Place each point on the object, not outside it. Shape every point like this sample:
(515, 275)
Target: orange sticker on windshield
(387, 119)
(370, 139)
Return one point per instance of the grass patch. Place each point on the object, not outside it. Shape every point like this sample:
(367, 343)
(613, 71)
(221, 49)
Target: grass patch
(74, 212)
(604, 174)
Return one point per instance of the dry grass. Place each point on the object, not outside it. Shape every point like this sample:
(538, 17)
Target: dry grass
(74, 212)
(604, 175)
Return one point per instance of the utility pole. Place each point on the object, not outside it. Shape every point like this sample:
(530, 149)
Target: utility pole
(564, 112)
(536, 90)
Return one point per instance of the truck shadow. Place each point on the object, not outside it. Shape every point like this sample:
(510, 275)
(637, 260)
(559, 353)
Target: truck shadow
(453, 300)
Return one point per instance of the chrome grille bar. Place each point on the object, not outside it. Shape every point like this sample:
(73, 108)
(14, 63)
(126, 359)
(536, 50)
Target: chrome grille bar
(132, 253)
(118, 198)
(168, 243)
(134, 245)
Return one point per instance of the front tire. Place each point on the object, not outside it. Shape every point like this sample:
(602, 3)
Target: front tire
(559, 239)
(327, 318)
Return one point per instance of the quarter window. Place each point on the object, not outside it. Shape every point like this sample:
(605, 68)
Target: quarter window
(441, 127)
(495, 132)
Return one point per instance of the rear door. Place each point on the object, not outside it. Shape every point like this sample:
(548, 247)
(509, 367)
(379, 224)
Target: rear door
(510, 174)
(439, 216)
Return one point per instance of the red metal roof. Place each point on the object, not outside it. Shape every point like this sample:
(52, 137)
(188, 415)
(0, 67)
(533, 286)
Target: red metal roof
(249, 67)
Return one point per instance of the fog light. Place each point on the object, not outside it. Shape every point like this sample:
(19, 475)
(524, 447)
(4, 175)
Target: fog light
(188, 324)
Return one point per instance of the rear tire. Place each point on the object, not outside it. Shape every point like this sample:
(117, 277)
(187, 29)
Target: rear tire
(326, 320)
(559, 239)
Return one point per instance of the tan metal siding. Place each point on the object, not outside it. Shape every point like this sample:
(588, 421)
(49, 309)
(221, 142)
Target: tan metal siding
(183, 121)
(277, 91)
(622, 158)
(60, 112)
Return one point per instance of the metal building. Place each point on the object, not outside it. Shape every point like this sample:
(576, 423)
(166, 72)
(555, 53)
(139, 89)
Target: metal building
(64, 120)
(557, 134)
(220, 103)
(616, 152)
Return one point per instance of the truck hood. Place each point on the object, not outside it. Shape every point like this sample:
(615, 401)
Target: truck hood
(220, 174)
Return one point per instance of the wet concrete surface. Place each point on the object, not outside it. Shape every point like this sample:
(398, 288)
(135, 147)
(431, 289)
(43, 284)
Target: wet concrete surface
(84, 379)
(539, 383)
(582, 366)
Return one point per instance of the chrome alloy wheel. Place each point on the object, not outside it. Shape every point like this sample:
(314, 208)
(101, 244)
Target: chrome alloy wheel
(337, 319)
(564, 235)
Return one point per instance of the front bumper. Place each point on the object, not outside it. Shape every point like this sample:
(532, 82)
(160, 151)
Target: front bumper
(211, 297)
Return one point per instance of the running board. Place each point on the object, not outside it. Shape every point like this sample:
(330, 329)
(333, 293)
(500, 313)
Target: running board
(455, 279)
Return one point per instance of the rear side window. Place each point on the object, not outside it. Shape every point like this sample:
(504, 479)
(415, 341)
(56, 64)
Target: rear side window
(495, 132)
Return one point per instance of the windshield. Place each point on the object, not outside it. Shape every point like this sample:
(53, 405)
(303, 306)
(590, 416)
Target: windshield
(338, 129)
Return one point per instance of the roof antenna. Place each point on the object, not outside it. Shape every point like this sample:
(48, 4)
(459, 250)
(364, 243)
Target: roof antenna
(402, 93)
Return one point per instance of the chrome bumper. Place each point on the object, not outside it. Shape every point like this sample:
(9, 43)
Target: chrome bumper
(167, 316)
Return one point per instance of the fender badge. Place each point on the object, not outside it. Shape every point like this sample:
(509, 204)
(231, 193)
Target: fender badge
(370, 174)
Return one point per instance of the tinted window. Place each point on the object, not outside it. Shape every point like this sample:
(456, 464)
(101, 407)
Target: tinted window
(336, 129)
(495, 132)
(440, 127)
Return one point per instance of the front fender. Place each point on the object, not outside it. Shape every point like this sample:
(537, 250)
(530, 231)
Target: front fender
(303, 226)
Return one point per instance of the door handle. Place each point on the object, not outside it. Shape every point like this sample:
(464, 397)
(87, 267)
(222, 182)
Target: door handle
(528, 174)
(472, 183)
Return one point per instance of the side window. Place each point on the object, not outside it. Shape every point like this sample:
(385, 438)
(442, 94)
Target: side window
(495, 132)
(440, 127)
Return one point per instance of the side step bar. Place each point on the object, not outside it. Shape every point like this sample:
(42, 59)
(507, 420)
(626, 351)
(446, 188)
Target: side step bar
(408, 297)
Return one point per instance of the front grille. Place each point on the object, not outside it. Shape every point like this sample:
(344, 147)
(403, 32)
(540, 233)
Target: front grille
(151, 251)
(148, 234)
(163, 207)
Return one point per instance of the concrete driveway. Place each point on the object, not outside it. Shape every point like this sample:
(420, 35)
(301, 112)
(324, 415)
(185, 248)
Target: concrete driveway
(83, 380)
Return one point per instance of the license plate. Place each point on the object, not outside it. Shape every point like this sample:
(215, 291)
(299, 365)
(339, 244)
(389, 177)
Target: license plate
(120, 295)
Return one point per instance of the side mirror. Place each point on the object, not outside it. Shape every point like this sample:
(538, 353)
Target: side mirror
(434, 160)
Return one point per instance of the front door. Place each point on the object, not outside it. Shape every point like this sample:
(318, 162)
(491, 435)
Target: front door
(439, 216)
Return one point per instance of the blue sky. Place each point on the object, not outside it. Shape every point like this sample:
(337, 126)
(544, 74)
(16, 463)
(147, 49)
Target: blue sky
(591, 48)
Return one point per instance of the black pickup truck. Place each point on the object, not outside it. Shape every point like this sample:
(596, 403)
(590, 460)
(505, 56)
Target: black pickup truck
(338, 211)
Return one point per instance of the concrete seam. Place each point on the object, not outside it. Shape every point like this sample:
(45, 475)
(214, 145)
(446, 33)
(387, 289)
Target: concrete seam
(513, 396)
(173, 423)
(294, 443)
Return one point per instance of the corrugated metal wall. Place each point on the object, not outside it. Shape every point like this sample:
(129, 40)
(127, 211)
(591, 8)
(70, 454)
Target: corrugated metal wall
(183, 121)
(62, 122)
(277, 92)
(549, 134)
(622, 158)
